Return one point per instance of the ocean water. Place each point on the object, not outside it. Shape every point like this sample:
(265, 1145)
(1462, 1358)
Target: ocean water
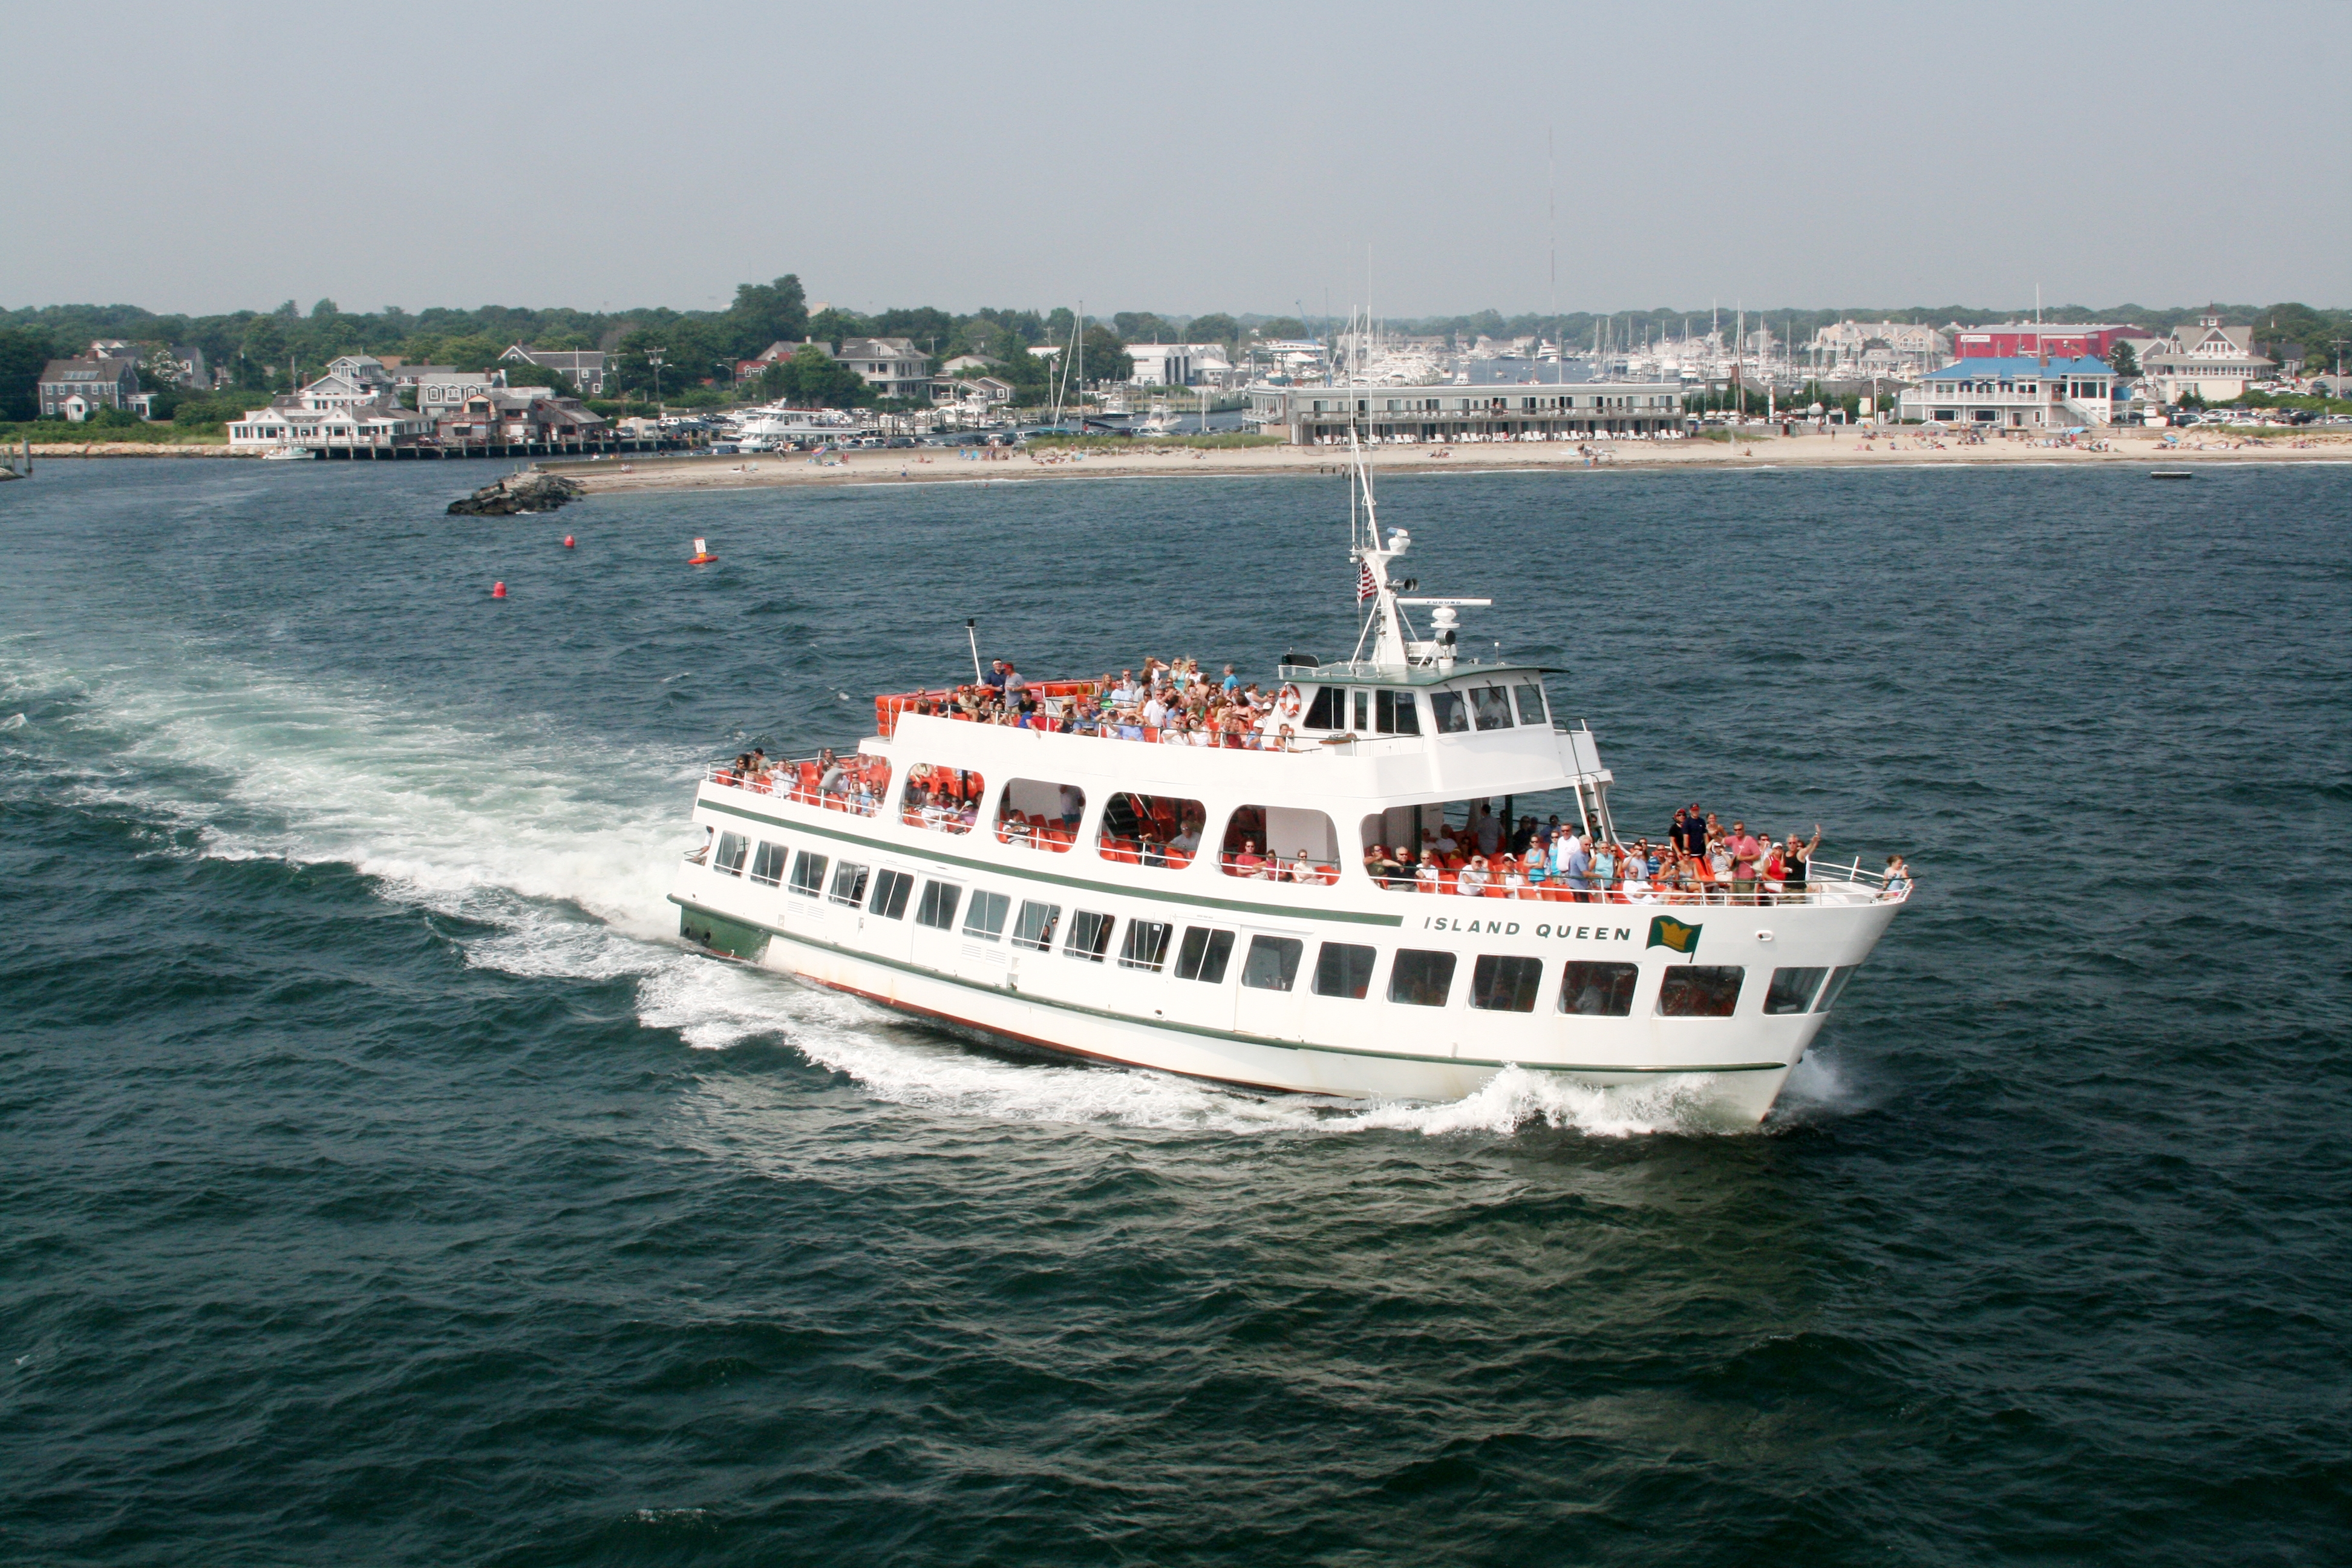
(383, 1183)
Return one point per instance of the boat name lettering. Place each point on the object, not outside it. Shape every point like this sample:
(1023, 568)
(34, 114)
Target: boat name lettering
(1511, 927)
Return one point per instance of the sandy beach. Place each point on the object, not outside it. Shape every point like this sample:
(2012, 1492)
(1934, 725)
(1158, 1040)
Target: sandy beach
(942, 466)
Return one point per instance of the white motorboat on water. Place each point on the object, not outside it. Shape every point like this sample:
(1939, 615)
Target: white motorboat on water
(288, 455)
(1077, 882)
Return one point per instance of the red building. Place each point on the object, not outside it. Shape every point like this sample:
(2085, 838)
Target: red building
(2023, 340)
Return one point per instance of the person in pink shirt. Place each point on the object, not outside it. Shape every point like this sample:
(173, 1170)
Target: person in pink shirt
(1746, 850)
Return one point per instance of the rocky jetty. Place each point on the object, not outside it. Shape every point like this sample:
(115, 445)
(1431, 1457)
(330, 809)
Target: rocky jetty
(516, 492)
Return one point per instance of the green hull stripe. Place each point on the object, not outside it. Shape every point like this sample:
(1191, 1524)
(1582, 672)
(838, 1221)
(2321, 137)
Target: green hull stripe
(915, 969)
(1277, 911)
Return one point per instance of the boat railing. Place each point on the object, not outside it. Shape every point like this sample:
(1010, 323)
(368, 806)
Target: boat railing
(858, 790)
(1053, 718)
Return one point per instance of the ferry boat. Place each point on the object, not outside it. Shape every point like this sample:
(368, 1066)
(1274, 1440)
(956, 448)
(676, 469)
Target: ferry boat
(1191, 909)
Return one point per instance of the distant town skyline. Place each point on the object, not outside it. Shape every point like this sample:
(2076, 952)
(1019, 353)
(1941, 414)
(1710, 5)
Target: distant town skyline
(1242, 159)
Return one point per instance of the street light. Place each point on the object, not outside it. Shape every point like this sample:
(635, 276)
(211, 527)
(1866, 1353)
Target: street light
(653, 358)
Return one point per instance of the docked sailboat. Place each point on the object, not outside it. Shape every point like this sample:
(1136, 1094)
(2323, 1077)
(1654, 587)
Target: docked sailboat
(1068, 877)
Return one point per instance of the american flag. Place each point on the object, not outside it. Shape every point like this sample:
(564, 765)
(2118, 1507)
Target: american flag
(1366, 586)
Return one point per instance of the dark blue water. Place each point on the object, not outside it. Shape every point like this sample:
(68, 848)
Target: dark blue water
(383, 1185)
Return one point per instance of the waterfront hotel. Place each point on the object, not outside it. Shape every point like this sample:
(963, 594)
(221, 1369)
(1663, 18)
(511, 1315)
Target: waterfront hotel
(2014, 394)
(1570, 410)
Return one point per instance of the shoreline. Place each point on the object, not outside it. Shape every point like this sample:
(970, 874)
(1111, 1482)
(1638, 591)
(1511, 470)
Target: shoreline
(1792, 453)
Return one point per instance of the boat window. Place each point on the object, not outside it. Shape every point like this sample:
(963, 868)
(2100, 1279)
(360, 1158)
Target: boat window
(1035, 814)
(1204, 955)
(891, 890)
(1272, 963)
(1090, 935)
(768, 863)
(1492, 705)
(1343, 969)
(938, 906)
(1280, 843)
(1363, 722)
(1792, 990)
(1598, 990)
(729, 855)
(944, 799)
(1421, 978)
(985, 916)
(1146, 946)
(1531, 703)
(848, 884)
(1162, 830)
(1329, 711)
(1034, 929)
(1451, 713)
(1838, 978)
(1700, 991)
(1394, 713)
(1505, 985)
(808, 874)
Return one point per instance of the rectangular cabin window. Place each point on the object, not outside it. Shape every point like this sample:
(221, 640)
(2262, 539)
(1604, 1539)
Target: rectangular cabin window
(1146, 946)
(1700, 991)
(1326, 712)
(1792, 990)
(938, 908)
(984, 917)
(1034, 929)
(1420, 979)
(1344, 969)
(1505, 985)
(808, 875)
(943, 799)
(1394, 713)
(1162, 830)
(1598, 990)
(1363, 722)
(1090, 935)
(848, 884)
(1204, 955)
(729, 855)
(1492, 707)
(1838, 978)
(768, 863)
(1272, 963)
(1531, 704)
(1035, 814)
(891, 890)
(1453, 714)
(1280, 843)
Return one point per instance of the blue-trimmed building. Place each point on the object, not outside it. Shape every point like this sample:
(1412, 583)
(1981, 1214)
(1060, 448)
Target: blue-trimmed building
(2014, 394)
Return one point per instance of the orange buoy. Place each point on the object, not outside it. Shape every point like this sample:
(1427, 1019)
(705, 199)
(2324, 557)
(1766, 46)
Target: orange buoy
(701, 556)
(498, 590)
(567, 542)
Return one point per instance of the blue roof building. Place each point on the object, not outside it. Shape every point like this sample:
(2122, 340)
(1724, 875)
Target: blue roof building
(2014, 394)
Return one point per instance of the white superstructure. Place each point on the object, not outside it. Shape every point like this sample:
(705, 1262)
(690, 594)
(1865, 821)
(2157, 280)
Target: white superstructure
(1108, 893)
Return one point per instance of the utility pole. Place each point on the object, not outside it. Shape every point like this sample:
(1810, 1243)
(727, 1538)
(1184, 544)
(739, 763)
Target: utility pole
(653, 358)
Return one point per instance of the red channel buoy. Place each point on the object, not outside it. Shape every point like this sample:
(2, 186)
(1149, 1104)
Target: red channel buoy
(701, 556)
(498, 590)
(567, 542)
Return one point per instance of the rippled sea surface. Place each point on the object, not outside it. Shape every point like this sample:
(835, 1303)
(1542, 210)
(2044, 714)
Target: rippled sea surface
(383, 1182)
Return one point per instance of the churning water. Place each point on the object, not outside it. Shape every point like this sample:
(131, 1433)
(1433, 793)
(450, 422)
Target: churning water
(385, 1182)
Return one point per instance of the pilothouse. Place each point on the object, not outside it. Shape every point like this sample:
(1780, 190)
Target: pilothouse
(1391, 875)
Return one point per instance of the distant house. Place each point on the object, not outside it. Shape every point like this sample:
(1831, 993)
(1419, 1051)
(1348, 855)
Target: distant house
(584, 368)
(1880, 348)
(891, 366)
(777, 352)
(2023, 340)
(380, 425)
(517, 417)
(968, 364)
(987, 389)
(2013, 395)
(440, 389)
(2211, 360)
(74, 389)
(1180, 365)
(188, 365)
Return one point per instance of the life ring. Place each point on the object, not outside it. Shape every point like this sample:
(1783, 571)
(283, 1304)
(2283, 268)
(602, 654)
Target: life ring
(1289, 703)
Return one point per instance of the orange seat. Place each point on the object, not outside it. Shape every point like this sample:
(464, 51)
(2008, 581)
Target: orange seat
(1331, 874)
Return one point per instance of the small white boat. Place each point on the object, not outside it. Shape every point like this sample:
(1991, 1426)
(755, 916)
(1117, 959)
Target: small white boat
(288, 455)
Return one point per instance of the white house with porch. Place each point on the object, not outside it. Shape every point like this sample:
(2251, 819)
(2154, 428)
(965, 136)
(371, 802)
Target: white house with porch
(2013, 395)
(2211, 360)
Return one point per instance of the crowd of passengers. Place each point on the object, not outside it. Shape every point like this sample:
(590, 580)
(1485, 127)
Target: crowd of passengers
(856, 783)
(1699, 861)
(1175, 704)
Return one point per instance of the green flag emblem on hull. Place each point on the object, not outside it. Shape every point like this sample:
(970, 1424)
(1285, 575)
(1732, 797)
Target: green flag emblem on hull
(1671, 933)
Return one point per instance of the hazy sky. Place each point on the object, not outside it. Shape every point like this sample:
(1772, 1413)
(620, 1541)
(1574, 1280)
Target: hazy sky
(1180, 157)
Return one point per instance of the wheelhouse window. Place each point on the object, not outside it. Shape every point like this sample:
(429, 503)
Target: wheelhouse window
(1034, 929)
(1451, 711)
(1033, 814)
(1272, 963)
(1280, 843)
(1792, 990)
(768, 863)
(729, 855)
(983, 918)
(1395, 713)
(1700, 991)
(1329, 711)
(1203, 955)
(1598, 990)
(1505, 985)
(848, 884)
(808, 874)
(1146, 946)
(1419, 978)
(891, 890)
(1490, 706)
(1090, 935)
(943, 799)
(1344, 969)
(1162, 830)
(938, 908)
